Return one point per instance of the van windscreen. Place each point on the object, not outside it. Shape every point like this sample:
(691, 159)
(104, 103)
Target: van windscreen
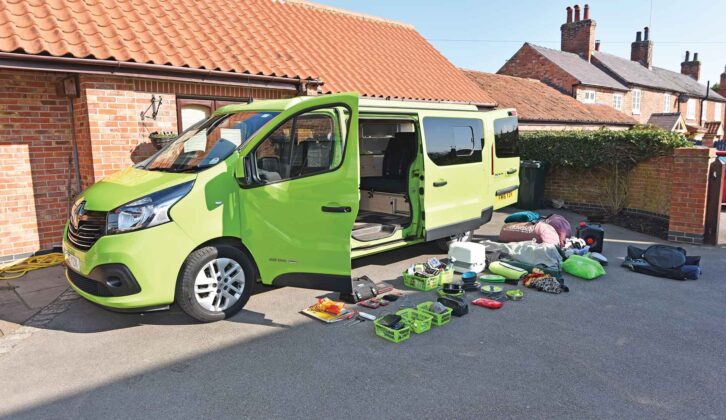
(208, 142)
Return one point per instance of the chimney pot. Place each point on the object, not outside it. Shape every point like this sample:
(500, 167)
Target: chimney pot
(637, 36)
(586, 15)
(597, 45)
(695, 56)
(646, 30)
(569, 14)
(577, 13)
(688, 56)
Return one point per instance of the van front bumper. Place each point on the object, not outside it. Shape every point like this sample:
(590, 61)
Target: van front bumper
(129, 271)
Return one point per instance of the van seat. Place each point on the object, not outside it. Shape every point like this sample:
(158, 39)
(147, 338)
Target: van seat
(400, 153)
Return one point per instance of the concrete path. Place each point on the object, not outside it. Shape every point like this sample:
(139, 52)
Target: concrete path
(622, 346)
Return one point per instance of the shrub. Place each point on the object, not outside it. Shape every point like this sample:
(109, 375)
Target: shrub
(590, 149)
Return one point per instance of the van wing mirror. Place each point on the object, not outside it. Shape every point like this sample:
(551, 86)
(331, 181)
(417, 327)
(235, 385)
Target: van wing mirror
(242, 170)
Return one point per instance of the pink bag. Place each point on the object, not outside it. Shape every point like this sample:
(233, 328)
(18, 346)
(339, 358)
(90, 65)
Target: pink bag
(561, 225)
(546, 234)
(517, 232)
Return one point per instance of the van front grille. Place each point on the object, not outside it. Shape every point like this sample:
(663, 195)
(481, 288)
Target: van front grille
(86, 228)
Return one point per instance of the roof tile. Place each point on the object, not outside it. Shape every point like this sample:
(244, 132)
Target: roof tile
(296, 39)
(550, 105)
(584, 71)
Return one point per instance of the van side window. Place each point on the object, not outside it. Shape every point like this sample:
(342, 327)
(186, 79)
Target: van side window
(506, 137)
(453, 141)
(305, 145)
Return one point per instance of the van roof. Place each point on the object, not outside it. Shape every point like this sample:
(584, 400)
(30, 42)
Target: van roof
(277, 105)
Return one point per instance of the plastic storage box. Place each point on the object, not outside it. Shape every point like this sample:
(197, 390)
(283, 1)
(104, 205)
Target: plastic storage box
(468, 256)
(421, 283)
(437, 319)
(418, 321)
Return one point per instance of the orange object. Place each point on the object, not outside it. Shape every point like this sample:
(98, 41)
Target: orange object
(329, 306)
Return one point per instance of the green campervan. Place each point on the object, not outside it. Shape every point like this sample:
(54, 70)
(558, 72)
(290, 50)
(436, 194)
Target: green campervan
(287, 192)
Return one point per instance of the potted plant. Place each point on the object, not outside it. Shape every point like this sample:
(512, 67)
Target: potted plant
(161, 139)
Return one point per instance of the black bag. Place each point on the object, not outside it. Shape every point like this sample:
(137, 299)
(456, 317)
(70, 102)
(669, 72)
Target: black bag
(362, 288)
(663, 261)
(459, 305)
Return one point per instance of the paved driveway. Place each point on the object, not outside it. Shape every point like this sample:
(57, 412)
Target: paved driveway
(623, 346)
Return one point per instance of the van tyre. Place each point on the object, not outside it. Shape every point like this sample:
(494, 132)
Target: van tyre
(444, 243)
(215, 282)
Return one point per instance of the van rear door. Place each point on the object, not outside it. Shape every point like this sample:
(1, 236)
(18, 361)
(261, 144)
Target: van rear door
(455, 188)
(505, 161)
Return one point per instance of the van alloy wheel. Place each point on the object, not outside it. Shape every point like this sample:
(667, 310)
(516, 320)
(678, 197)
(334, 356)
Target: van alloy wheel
(219, 284)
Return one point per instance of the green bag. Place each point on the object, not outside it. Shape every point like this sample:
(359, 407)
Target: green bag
(583, 267)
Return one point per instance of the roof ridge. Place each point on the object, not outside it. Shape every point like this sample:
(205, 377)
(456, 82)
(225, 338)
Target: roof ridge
(332, 9)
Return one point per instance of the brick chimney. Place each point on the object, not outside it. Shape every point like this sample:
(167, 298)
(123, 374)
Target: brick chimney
(691, 68)
(641, 50)
(722, 84)
(578, 36)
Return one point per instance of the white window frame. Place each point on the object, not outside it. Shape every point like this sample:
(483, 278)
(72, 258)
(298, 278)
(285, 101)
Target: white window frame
(717, 111)
(589, 96)
(691, 109)
(704, 111)
(667, 102)
(618, 101)
(637, 97)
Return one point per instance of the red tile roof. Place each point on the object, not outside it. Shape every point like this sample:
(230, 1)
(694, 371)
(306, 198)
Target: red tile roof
(293, 38)
(536, 101)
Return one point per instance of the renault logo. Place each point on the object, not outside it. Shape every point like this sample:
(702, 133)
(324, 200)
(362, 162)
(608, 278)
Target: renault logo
(77, 212)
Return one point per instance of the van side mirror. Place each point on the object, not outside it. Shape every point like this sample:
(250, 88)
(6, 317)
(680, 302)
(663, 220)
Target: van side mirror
(241, 170)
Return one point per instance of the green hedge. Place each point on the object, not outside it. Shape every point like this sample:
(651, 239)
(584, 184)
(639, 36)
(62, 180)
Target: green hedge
(588, 149)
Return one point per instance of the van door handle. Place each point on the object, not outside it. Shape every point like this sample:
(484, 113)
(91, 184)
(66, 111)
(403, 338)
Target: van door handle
(332, 209)
(440, 183)
(512, 171)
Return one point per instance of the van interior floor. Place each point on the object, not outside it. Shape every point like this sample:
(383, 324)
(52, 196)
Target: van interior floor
(371, 226)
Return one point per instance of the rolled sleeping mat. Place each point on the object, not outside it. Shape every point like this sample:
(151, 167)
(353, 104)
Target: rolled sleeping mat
(507, 271)
(554, 272)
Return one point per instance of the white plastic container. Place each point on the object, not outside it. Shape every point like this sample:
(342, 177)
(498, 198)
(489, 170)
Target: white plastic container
(468, 256)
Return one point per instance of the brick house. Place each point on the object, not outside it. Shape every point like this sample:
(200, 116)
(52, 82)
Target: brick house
(551, 110)
(84, 84)
(632, 86)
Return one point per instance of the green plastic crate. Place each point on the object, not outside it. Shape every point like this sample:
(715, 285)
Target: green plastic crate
(441, 293)
(446, 276)
(420, 283)
(418, 321)
(437, 319)
(390, 334)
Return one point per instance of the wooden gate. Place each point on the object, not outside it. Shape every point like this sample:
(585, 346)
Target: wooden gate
(713, 202)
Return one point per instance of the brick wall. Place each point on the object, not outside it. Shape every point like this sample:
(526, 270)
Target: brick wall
(36, 170)
(528, 63)
(37, 180)
(648, 188)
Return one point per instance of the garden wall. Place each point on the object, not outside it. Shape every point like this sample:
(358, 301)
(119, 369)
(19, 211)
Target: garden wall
(649, 188)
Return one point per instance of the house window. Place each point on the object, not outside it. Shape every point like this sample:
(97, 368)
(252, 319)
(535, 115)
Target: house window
(618, 101)
(636, 101)
(704, 112)
(192, 110)
(667, 102)
(589, 97)
(717, 112)
(691, 109)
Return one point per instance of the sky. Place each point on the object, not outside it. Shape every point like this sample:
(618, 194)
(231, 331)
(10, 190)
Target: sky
(482, 34)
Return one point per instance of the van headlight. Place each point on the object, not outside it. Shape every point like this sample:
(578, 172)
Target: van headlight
(148, 211)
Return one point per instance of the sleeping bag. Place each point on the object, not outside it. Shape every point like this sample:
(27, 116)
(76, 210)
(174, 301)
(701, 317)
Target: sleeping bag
(526, 231)
(522, 216)
(663, 261)
(561, 225)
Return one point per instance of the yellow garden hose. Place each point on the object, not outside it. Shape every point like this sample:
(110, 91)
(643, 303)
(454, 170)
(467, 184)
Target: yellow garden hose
(17, 269)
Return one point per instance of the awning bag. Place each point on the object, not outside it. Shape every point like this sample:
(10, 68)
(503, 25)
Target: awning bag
(663, 261)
